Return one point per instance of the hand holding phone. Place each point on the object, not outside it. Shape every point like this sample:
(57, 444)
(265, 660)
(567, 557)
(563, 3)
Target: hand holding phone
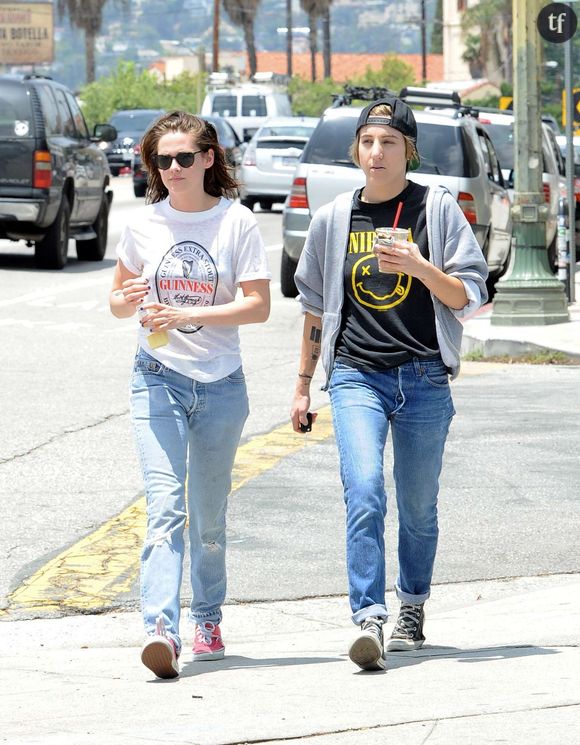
(307, 427)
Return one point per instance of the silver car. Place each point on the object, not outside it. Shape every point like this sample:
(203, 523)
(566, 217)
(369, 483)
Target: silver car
(456, 152)
(271, 158)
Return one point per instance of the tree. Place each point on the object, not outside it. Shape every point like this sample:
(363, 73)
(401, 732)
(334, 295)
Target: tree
(491, 21)
(312, 8)
(326, 43)
(393, 74)
(437, 32)
(86, 15)
(242, 14)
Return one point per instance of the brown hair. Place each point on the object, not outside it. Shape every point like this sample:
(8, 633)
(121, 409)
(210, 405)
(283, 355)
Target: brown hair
(217, 181)
(411, 152)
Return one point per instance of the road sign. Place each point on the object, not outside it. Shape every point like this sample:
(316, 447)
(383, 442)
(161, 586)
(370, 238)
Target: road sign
(557, 23)
(575, 108)
(506, 102)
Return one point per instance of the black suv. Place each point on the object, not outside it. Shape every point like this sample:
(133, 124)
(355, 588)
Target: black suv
(54, 178)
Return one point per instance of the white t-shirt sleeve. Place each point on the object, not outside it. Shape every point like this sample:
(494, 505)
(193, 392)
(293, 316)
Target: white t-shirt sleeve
(127, 252)
(250, 261)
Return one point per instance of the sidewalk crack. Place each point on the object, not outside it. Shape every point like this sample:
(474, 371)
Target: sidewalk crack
(64, 433)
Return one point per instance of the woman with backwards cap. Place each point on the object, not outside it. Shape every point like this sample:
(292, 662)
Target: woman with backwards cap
(385, 321)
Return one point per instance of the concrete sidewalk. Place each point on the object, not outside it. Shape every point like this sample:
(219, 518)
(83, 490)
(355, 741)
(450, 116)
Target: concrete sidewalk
(480, 336)
(500, 665)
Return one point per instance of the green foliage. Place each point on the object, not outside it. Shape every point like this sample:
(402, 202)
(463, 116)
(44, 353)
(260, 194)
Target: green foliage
(491, 102)
(394, 74)
(437, 32)
(310, 99)
(129, 88)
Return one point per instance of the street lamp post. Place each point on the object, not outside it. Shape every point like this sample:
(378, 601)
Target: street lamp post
(529, 294)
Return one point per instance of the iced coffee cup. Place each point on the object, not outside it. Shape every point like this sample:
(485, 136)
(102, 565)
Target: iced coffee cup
(386, 236)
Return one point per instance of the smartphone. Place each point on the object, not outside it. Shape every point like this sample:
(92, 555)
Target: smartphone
(307, 427)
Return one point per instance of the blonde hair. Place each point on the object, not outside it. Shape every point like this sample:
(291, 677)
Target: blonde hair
(383, 109)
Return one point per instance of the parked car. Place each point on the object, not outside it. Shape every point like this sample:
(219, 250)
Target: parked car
(131, 125)
(227, 138)
(561, 140)
(500, 126)
(246, 106)
(54, 178)
(455, 150)
(271, 158)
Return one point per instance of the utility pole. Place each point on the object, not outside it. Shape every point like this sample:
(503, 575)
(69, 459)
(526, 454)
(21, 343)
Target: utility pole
(289, 38)
(529, 294)
(216, 36)
(423, 42)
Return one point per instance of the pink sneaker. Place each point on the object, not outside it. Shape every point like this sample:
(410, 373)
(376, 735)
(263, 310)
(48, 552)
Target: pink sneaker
(207, 642)
(158, 653)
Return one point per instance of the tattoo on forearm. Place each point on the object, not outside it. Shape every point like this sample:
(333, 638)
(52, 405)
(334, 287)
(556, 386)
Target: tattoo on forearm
(315, 353)
(315, 334)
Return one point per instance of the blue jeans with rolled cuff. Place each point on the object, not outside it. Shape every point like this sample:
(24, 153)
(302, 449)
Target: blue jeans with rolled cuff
(187, 434)
(414, 401)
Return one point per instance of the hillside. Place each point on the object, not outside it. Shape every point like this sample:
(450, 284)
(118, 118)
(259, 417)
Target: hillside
(149, 28)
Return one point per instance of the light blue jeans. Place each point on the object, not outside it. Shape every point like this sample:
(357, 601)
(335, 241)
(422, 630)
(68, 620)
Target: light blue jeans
(415, 401)
(187, 434)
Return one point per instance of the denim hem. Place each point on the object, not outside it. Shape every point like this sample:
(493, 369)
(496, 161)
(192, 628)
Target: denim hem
(213, 616)
(377, 610)
(407, 597)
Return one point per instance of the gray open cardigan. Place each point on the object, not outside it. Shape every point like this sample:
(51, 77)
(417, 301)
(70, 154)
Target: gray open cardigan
(452, 248)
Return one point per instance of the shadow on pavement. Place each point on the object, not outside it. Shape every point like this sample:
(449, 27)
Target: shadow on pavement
(236, 662)
(485, 654)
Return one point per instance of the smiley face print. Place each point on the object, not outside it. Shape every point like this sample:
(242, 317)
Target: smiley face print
(378, 290)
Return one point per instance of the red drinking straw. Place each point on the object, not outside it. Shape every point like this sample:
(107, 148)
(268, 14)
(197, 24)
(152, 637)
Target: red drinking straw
(397, 215)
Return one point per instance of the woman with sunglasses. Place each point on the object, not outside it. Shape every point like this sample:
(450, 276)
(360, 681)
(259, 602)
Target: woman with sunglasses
(180, 262)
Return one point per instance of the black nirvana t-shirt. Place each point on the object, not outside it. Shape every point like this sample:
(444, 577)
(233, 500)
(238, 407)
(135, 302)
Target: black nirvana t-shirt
(386, 318)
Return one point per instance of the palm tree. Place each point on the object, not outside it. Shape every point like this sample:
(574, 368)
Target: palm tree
(491, 46)
(326, 45)
(242, 14)
(86, 15)
(316, 9)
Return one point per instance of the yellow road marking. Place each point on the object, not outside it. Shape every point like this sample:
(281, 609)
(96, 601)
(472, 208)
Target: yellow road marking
(104, 565)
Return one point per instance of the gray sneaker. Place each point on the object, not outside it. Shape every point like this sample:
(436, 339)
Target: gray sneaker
(366, 651)
(408, 631)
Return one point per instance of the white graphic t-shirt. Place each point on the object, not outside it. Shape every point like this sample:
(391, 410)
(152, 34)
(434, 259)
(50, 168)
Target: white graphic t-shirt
(194, 259)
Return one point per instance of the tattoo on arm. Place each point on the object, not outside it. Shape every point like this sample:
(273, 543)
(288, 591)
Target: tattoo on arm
(315, 354)
(315, 335)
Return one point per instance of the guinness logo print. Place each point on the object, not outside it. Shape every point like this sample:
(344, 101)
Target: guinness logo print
(187, 278)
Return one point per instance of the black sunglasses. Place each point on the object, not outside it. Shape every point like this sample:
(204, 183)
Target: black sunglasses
(185, 160)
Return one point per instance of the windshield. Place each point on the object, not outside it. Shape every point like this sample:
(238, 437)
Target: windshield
(286, 131)
(137, 121)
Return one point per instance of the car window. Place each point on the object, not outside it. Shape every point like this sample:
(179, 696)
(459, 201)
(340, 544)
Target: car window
(52, 123)
(330, 142)
(502, 136)
(254, 105)
(285, 131)
(441, 150)
(490, 159)
(555, 151)
(65, 116)
(133, 120)
(224, 104)
(15, 111)
(78, 117)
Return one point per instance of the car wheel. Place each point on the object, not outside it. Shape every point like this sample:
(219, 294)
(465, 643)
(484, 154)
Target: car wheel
(94, 249)
(114, 170)
(139, 190)
(248, 202)
(287, 271)
(52, 251)
(266, 204)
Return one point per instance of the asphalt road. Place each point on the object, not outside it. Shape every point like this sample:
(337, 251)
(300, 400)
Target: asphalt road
(509, 501)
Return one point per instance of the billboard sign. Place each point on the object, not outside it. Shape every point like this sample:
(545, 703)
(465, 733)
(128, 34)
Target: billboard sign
(26, 33)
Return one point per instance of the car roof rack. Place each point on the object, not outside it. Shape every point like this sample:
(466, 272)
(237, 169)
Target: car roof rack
(359, 93)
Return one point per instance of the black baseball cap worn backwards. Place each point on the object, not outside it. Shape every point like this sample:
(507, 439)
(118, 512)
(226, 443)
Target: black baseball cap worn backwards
(401, 119)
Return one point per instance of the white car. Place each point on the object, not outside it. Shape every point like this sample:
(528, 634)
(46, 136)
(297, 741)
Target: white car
(456, 152)
(271, 158)
(500, 126)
